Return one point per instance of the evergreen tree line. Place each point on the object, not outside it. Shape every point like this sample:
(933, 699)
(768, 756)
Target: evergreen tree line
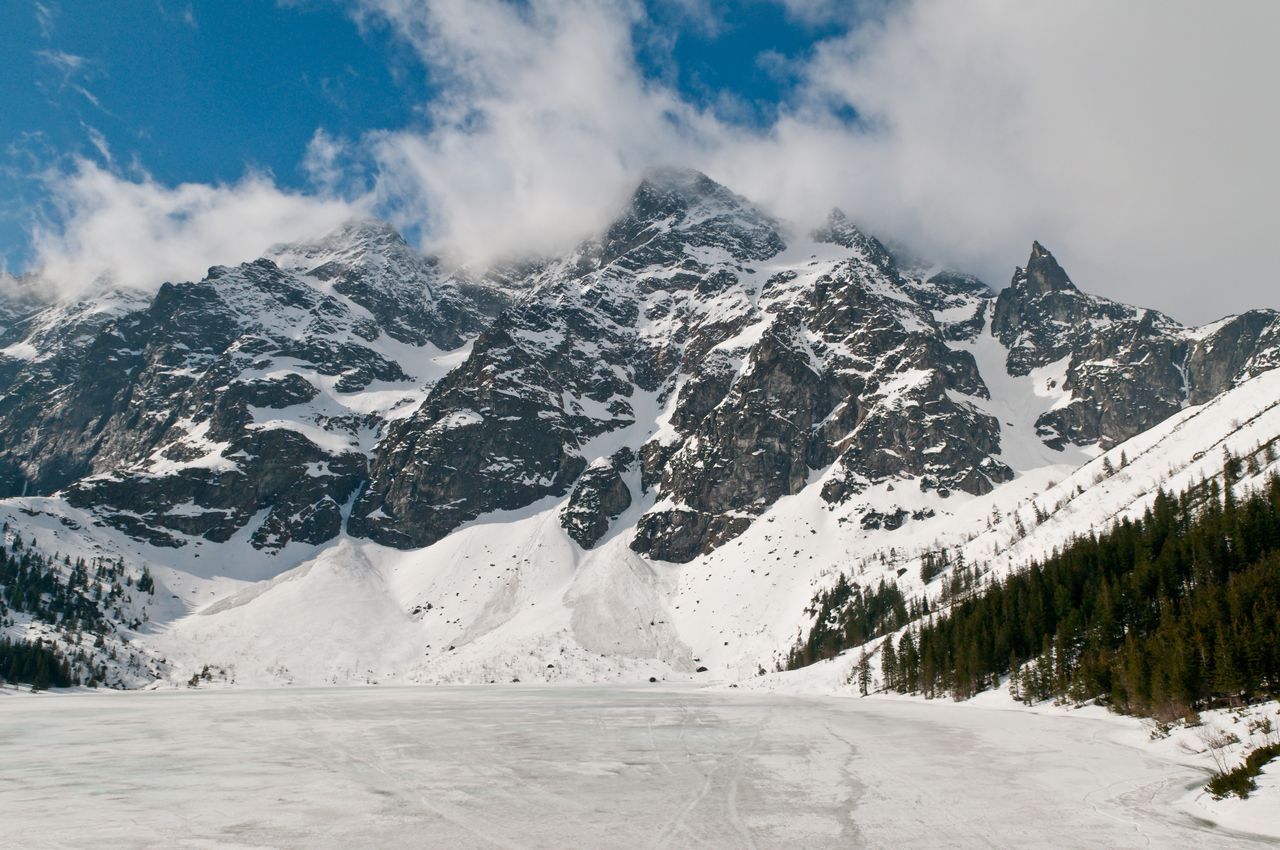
(846, 615)
(1174, 611)
(38, 664)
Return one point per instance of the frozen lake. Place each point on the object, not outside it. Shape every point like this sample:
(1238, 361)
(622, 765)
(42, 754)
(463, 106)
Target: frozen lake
(589, 767)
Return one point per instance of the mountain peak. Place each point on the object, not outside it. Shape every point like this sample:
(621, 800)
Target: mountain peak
(1042, 273)
(353, 238)
(666, 192)
(839, 230)
(365, 229)
(676, 179)
(681, 207)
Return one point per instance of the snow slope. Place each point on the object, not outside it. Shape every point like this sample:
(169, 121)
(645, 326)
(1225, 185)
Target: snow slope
(511, 596)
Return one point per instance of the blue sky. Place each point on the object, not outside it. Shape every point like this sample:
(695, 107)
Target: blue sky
(197, 92)
(144, 140)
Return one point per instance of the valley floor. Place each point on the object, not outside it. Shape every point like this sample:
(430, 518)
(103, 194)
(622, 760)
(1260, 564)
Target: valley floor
(525, 767)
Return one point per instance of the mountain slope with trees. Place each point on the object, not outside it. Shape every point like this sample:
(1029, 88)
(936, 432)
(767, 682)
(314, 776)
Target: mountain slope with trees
(70, 622)
(1161, 615)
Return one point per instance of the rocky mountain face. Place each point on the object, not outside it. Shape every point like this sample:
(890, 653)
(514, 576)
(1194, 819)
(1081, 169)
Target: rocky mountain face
(250, 398)
(691, 341)
(407, 294)
(1126, 368)
(670, 380)
(46, 352)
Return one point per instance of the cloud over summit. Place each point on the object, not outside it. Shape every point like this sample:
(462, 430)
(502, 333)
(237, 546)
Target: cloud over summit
(1133, 139)
(137, 233)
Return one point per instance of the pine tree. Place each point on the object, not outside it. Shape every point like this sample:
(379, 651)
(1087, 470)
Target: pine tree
(889, 665)
(1226, 676)
(864, 673)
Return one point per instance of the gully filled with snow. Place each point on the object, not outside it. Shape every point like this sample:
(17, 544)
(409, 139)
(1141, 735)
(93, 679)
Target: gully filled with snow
(521, 766)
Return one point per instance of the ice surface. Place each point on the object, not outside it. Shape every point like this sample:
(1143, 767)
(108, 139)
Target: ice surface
(518, 766)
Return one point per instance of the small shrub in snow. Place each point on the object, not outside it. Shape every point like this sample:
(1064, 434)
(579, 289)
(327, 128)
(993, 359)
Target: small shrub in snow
(1239, 781)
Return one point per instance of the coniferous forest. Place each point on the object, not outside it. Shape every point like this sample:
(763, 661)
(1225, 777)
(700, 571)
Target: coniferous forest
(37, 664)
(71, 598)
(1175, 611)
(848, 616)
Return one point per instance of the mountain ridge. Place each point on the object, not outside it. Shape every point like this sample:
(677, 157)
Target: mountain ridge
(662, 395)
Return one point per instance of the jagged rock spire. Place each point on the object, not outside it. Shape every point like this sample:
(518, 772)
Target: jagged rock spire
(1042, 273)
(839, 230)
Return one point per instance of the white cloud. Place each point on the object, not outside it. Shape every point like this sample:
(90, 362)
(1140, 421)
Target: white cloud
(71, 70)
(138, 233)
(325, 160)
(829, 11)
(1133, 138)
(66, 64)
(46, 17)
(544, 123)
(99, 142)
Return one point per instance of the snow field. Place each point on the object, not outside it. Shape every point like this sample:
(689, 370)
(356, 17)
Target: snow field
(530, 767)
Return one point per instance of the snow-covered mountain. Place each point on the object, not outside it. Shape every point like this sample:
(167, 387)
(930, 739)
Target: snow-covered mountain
(693, 346)
(251, 399)
(347, 462)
